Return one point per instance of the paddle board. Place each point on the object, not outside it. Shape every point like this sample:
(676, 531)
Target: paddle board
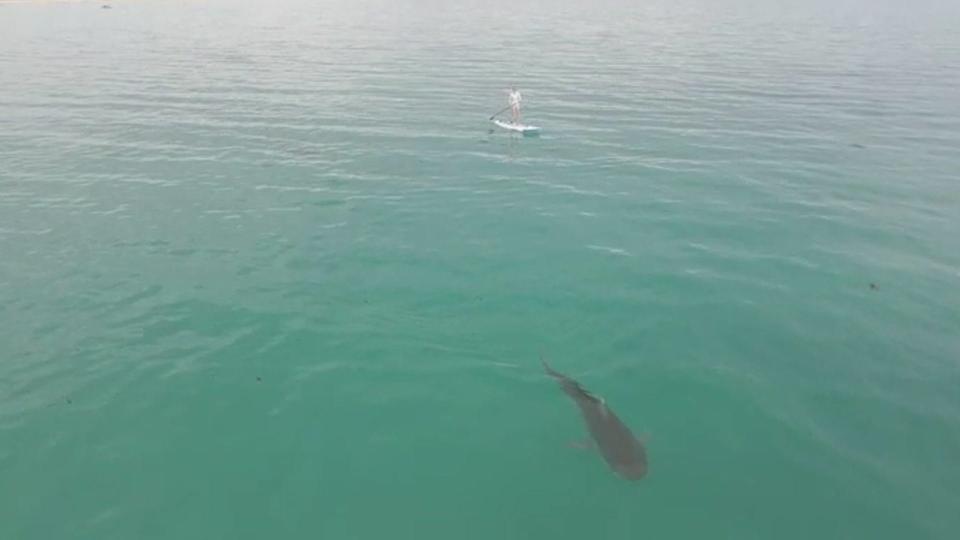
(520, 128)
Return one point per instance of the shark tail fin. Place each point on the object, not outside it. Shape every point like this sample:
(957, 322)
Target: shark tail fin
(570, 386)
(550, 371)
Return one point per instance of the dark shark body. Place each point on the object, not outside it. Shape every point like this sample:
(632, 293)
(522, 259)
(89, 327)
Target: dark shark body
(623, 452)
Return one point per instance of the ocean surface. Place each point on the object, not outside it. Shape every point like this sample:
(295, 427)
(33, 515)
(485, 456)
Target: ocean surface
(266, 271)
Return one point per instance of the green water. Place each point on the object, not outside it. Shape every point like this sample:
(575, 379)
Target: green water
(265, 271)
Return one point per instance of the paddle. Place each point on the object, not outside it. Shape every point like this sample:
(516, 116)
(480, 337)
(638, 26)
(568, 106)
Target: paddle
(500, 111)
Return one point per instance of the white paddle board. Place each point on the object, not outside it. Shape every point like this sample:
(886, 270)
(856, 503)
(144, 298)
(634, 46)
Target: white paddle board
(520, 128)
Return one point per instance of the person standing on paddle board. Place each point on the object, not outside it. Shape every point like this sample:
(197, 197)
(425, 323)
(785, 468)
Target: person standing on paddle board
(514, 99)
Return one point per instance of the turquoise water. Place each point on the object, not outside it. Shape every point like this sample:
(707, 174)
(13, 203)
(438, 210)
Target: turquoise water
(265, 271)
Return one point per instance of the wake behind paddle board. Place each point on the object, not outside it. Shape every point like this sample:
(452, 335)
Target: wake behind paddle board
(520, 128)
